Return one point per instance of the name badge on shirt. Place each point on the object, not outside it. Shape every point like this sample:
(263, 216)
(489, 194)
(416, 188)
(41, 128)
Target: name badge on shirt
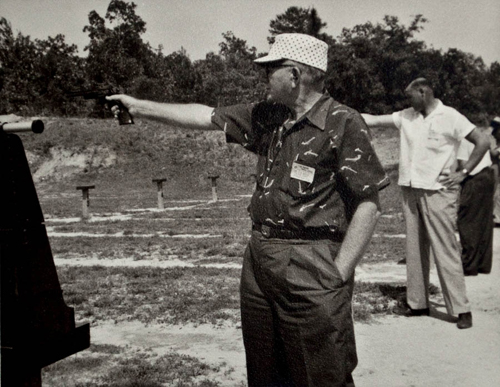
(302, 172)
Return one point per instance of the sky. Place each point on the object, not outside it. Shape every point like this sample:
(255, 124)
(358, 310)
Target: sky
(471, 26)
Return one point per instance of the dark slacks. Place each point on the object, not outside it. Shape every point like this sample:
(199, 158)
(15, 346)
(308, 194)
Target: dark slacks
(296, 314)
(475, 222)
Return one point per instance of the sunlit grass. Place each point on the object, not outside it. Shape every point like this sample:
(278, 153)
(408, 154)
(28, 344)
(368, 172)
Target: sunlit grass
(109, 366)
(177, 295)
(183, 295)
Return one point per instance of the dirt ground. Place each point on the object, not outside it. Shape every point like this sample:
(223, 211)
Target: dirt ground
(393, 351)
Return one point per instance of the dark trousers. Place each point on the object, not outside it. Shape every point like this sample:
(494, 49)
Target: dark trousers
(475, 222)
(296, 314)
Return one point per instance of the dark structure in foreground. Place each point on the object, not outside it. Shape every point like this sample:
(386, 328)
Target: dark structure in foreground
(37, 328)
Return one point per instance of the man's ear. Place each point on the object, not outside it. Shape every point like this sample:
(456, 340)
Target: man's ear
(295, 74)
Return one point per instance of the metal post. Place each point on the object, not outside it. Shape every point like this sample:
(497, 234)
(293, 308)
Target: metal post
(159, 184)
(85, 199)
(214, 186)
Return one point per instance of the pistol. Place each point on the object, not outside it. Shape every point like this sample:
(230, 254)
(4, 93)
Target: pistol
(100, 93)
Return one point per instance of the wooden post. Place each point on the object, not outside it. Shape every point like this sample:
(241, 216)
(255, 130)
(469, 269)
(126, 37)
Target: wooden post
(159, 184)
(214, 186)
(85, 199)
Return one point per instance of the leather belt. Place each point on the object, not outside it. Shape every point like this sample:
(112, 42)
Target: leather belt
(310, 234)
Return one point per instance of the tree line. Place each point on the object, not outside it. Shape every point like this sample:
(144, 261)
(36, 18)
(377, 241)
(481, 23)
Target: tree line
(369, 67)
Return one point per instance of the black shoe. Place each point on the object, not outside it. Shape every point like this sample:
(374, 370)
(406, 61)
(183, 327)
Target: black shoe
(406, 311)
(464, 320)
(402, 262)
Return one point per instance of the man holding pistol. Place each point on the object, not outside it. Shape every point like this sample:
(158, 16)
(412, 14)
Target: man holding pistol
(313, 211)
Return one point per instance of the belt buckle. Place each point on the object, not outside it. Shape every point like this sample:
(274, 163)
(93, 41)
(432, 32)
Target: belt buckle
(266, 231)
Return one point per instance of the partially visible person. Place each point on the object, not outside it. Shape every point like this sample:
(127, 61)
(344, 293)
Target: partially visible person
(495, 158)
(430, 137)
(475, 212)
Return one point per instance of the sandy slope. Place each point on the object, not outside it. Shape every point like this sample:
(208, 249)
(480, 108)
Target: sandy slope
(393, 351)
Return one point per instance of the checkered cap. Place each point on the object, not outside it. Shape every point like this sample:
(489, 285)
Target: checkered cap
(299, 48)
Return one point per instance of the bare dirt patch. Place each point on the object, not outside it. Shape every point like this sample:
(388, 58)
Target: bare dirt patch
(64, 163)
(214, 345)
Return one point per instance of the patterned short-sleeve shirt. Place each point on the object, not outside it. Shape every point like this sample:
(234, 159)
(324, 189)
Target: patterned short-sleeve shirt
(311, 173)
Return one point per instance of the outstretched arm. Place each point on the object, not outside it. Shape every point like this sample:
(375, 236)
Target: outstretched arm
(193, 116)
(383, 121)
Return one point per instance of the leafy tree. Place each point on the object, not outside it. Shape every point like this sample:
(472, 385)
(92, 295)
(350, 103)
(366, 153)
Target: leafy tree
(299, 20)
(231, 76)
(116, 55)
(36, 74)
(369, 66)
(490, 92)
(60, 69)
(212, 71)
(184, 78)
(155, 81)
(371, 63)
(171, 78)
(460, 77)
(18, 58)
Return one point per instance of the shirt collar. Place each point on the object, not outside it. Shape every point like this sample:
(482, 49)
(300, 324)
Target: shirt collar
(437, 111)
(319, 112)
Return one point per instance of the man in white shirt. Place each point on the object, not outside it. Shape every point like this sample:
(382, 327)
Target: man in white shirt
(495, 158)
(475, 213)
(430, 137)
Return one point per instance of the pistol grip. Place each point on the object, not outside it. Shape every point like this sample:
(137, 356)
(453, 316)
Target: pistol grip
(124, 117)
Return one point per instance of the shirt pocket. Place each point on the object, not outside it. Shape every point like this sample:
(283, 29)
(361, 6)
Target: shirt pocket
(435, 141)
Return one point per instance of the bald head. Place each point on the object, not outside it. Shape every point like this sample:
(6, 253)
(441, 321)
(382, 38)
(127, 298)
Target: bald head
(420, 95)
